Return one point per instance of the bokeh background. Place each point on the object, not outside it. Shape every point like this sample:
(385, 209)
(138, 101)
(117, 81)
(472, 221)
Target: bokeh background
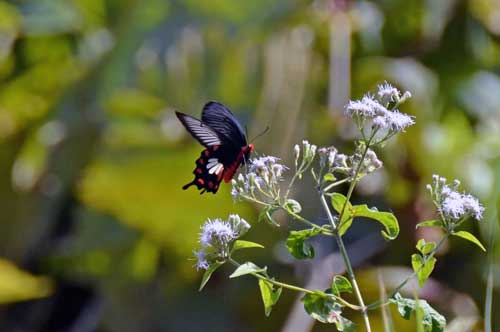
(95, 231)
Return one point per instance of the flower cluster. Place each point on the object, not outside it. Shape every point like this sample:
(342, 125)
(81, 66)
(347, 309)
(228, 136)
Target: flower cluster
(216, 238)
(263, 177)
(453, 205)
(347, 165)
(375, 110)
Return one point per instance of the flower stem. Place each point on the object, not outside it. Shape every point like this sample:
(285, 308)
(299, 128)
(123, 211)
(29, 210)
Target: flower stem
(295, 288)
(340, 242)
(334, 184)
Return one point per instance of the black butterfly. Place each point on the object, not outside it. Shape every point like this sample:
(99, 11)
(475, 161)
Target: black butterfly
(226, 146)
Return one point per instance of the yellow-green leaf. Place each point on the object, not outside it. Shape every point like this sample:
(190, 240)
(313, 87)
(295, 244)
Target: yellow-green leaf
(468, 236)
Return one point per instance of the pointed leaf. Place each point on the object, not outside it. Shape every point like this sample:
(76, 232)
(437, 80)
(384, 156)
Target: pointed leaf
(425, 247)
(246, 268)
(423, 268)
(208, 273)
(468, 236)
(324, 309)
(270, 296)
(338, 201)
(329, 177)
(341, 284)
(241, 244)
(296, 243)
(387, 219)
(430, 223)
(432, 320)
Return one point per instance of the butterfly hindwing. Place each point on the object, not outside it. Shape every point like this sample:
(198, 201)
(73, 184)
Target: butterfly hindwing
(212, 167)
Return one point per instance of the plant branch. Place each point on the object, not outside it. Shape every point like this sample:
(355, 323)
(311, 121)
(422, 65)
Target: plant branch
(296, 288)
(379, 303)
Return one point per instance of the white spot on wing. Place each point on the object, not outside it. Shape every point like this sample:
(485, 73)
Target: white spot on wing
(216, 169)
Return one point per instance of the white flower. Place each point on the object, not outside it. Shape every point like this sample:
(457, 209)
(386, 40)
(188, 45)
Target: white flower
(216, 232)
(453, 204)
(393, 120)
(387, 93)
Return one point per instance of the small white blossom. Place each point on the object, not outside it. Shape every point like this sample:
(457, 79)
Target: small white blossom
(216, 232)
(388, 93)
(453, 204)
(264, 174)
(395, 121)
(371, 108)
(201, 260)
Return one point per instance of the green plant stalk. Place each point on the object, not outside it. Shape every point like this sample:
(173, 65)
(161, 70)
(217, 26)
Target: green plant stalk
(379, 303)
(295, 288)
(334, 184)
(340, 242)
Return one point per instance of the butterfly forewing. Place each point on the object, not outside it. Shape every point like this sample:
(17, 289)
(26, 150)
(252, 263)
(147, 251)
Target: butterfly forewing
(199, 130)
(223, 121)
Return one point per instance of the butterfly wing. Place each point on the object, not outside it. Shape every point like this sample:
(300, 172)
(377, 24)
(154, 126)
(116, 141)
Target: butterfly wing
(224, 123)
(214, 165)
(202, 132)
(226, 146)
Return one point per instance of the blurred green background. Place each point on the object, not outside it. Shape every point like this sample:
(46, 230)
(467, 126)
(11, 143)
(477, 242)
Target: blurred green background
(95, 231)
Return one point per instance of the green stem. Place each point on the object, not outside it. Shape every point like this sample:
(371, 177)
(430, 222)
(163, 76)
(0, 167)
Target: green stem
(379, 303)
(306, 222)
(295, 288)
(338, 237)
(334, 184)
(350, 271)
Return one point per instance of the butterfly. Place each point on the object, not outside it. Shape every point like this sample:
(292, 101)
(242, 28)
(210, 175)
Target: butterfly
(226, 146)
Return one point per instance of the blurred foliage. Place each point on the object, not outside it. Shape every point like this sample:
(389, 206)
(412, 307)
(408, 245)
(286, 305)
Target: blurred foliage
(92, 159)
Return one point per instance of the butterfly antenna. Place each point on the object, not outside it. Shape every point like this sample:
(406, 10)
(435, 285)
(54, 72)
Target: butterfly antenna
(261, 134)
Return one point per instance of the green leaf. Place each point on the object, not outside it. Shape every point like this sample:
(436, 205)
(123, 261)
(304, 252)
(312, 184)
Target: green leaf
(425, 247)
(324, 309)
(293, 206)
(329, 177)
(423, 268)
(267, 215)
(241, 244)
(246, 268)
(270, 296)
(430, 223)
(296, 243)
(387, 219)
(432, 320)
(208, 273)
(338, 201)
(341, 284)
(468, 236)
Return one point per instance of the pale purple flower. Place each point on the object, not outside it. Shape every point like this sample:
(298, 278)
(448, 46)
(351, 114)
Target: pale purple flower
(201, 260)
(386, 92)
(371, 108)
(216, 232)
(472, 205)
(367, 107)
(453, 204)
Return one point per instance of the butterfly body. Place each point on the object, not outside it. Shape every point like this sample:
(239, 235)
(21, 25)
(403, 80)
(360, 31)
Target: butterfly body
(226, 147)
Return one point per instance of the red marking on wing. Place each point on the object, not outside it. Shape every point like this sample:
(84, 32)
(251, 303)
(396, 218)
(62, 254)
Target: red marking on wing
(229, 172)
